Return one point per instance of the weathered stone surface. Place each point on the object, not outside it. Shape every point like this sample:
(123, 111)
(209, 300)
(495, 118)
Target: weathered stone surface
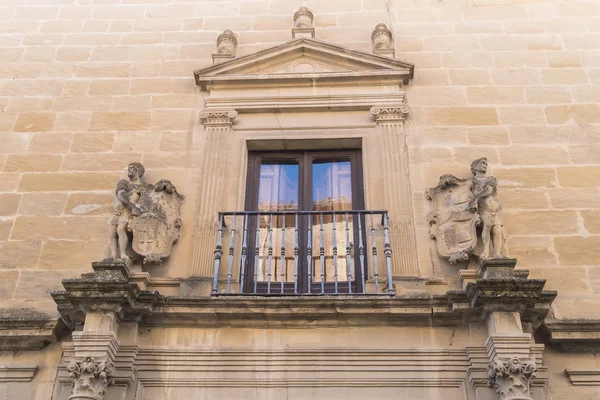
(70, 255)
(42, 204)
(569, 281)
(591, 220)
(532, 251)
(21, 254)
(88, 203)
(120, 121)
(50, 143)
(5, 228)
(98, 162)
(9, 202)
(35, 122)
(458, 116)
(577, 250)
(527, 177)
(37, 285)
(521, 198)
(541, 222)
(575, 197)
(70, 227)
(33, 163)
(579, 176)
(8, 282)
(92, 142)
(61, 182)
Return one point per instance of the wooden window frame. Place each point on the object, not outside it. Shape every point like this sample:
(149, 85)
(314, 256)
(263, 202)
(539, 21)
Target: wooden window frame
(304, 161)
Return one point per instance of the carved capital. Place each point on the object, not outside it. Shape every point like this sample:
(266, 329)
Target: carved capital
(91, 378)
(218, 117)
(389, 113)
(512, 378)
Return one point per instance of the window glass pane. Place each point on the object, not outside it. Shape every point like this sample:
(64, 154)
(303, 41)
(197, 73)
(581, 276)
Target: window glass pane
(278, 190)
(332, 191)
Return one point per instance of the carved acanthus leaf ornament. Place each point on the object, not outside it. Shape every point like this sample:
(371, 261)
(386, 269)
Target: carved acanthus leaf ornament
(91, 378)
(512, 378)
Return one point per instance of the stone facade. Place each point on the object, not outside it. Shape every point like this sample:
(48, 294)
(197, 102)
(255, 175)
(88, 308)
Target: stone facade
(187, 88)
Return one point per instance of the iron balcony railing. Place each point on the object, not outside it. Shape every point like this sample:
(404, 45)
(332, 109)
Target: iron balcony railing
(303, 253)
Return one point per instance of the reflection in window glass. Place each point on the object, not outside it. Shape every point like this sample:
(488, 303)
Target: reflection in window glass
(277, 191)
(332, 191)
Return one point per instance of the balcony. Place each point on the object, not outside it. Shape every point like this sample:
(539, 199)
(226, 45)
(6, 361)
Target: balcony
(309, 253)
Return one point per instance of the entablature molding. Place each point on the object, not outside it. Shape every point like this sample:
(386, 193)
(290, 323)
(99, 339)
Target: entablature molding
(342, 102)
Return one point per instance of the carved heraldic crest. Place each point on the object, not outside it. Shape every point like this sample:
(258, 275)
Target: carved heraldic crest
(451, 223)
(151, 213)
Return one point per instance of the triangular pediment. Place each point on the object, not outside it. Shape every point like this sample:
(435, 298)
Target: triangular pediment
(302, 61)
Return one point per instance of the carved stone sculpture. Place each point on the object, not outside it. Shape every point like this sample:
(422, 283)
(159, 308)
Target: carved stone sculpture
(303, 18)
(512, 378)
(452, 223)
(227, 43)
(150, 212)
(91, 378)
(381, 37)
(458, 206)
(485, 199)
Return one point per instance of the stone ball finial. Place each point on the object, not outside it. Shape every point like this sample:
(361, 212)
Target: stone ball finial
(381, 37)
(303, 18)
(227, 43)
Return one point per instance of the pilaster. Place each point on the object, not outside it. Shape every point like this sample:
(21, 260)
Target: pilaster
(396, 188)
(217, 124)
(510, 364)
(91, 365)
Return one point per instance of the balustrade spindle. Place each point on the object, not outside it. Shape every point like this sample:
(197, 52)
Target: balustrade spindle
(322, 254)
(309, 251)
(282, 252)
(265, 274)
(270, 253)
(361, 253)
(231, 252)
(388, 252)
(374, 244)
(296, 256)
(335, 255)
(244, 253)
(256, 252)
(348, 257)
(218, 253)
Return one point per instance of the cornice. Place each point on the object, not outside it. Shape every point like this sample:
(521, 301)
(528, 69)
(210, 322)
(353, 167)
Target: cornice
(110, 289)
(304, 103)
(17, 373)
(583, 377)
(573, 335)
(26, 329)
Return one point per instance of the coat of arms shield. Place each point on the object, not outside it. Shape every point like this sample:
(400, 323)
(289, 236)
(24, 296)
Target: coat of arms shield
(157, 229)
(451, 222)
